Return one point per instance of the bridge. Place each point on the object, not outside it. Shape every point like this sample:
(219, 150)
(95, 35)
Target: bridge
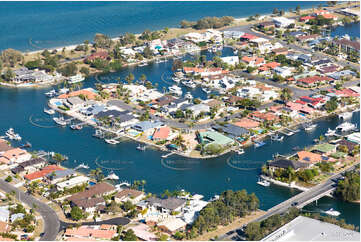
(299, 201)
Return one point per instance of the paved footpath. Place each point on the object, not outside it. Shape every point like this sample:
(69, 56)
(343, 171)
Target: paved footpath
(51, 220)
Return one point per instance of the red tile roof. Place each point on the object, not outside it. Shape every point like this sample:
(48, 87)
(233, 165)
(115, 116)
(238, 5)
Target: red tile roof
(99, 54)
(313, 79)
(249, 36)
(89, 94)
(90, 233)
(46, 170)
(304, 18)
(161, 133)
(247, 123)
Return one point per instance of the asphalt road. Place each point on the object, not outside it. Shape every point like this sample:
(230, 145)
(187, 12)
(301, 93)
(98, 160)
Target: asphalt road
(114, 221)
(51, 220)
(284, 206)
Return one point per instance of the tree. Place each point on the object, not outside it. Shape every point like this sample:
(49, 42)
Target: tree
(286, 94)
(147, 53)
(9, 75)
(252, 231)
(9, 178)
(130, 78)
(11, 57)
(33, 64)
(68, 70)
(275, 11)
(298, 9)
(349, 188)
(102, 41)
(331, 105)
(58, 157)
(143, 78)
(177, 64)
(85, 70)
(76, 213)
(129, 236)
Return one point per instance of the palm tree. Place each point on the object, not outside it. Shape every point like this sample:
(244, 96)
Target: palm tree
(286, 94)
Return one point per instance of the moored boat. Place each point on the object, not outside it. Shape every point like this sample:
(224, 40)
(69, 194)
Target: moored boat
(51, 93)
(75, 79)
(112, 141)
(76, 126)
(175, 90)
(258, 144)
(49, 111)
(309, 126)
(188, 96)
(276, 137)
(330, 132)
(141, 148)
(240, 151)
(346, 126)
(263, 182)
(332, 212)
(60, 121)
(346, 115)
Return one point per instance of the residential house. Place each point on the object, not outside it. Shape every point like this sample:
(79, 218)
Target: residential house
(313, 81)
(286, 163)
(88, 93)
(74, 102)
(305, 38)
(347, 46)
(198, 108)
(171, 225)
(280, 51)
(15, 155)
(29, 166)
(72, 182)
(39, 175)
(247, 123)
(231, 130)
(97, 55)
(131, 195)
(230, 60)
(229, 34)
(4, 146)
(84, 232)
(167, 205)
(282, 22)
(4, 214)
(309, 157)
(253, 61)
(304, 58)
(161, 133)
(143, 232)
(283, 71)
(4, 227)
(147, 125)
(264, 116)
(60, 175)
(212, 137)
(342, 74)
(306, 18)
(301, 108)
(349, 144)
(267, 24)
(314, 102)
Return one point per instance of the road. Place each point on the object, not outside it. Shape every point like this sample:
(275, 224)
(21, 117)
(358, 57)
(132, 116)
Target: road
(114, 221)
(51, 220)
(284, 206)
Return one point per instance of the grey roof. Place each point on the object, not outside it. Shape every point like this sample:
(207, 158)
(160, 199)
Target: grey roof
(321, 62)
(308, 229)
(179, 100)
(339, 74)
(296, 33)
(145, 125)
(89, 203)
(32, 162)
(17, 169)
(304, 57)
(60, 173)
(75, 100)
(231, 129)
(170, 203)
(111, 113)
(285, 163)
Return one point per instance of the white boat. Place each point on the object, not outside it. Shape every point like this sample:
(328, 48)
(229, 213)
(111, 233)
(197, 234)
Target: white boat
(75, 79)
(346, 115)
(98, 133)
(59, 121)
(189, 83)
(188, 96)
(176, 79)
(51, 93)
(276, 137)
(142, 148)
(63, 90)
(309, 126)
(175, 90)
(143, 63)
(240, 151)
(346, 126)
(112, 141)
(112, 176)
(76, 126)
(12, 135)
(330, 132)
(235, 52)
(333, 212)
(259, 144)
(82, 165)
(263, 182)
(206, 90)
(49, 111)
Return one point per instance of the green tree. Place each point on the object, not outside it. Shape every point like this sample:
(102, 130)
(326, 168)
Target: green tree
(130, 78)
(129, 235)
(8, 178)
(76, 213)
(286, 94)
(252, 231)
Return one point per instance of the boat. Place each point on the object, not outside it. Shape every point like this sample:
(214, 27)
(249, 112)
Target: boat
(112, 176)
(309, 126)
(142, 148)
(49, 111)
(112, 141)
(82, 165)
(76, 126)
(51, 93)
(330, 132)
(206, 90)
(346, 115)
(63, 90)
(258, 144)
(26, 145)
(276, 137)
(175, 90)
(75, 79)
(188, 96)
(263, 182)
(240, 151)
(189, 83)
(176, 79)
(235, 52)
(10, 133)
(143, 63)
(98, 134)
(346, 126)
(59, 121)
(332, 212)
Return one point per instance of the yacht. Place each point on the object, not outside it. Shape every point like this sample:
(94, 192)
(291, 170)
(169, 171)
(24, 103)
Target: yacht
(332, 212)
(49, 111)
(276, 137)
(12, 135)
(112, 141)
(82, 165)
(143, 63)
(330, 132)
(345, 116)
(112, 176)
(240, 151)
(346, 126)
(258, 144)
(175, 90)
(98, 134)
(189, 83)
(309, 126)
(63, 90)
(51, 93)
(235, 52)
(59, 121)
(263, 182)
(188, 96)
(75, 79)
(176, 79)
(206, 90)
(141, 148)
(76, 126)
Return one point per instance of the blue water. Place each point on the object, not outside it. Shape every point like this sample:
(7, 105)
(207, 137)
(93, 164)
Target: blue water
(38, 25)
(353, 30)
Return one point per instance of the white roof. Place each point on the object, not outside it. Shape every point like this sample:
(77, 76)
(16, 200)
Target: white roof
(259, 40)
(308, 229)
(172, 223)
(73, 181)
(283, 20)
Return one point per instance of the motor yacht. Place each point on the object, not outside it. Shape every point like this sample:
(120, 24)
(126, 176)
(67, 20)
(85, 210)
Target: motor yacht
(206, 90)
(263, 182)
(309, 126)
(49, 111)
(175, 90)
(112, 141)
(330, 132)
(189, 83)
(76, 126)
(276, 137)
(10, 133)
(75, 79)
(141, 148)
(346, 115)
(240, 151)
(332, 212)
(51, 93)
(188, 96)
(346, 126)
(258, 144)
(60, 121)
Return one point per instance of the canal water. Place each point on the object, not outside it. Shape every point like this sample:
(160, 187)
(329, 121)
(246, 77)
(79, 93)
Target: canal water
(23, 110)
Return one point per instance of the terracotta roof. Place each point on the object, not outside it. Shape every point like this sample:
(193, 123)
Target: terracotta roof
(256, 59)
(313, 79)
(247, 123)
(346, 42)
(248, 36)
(4, 146)
(264, 116)
(299, 107)
(10, 154)
(99, 54)
(306, 18)
(161, 133)
(4, 227)
(128, 193)
(97, 189)
(306, 37)
(329, 16)
(46, 170)
(89, 94)
(86, 232)
(309, 157)
(88, 202)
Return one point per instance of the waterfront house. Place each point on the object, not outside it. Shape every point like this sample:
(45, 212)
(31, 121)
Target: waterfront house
(229, 34)
(166, 206)
(354, 137)
(306, 18)
(99, 189)
(4, 146)
(230, 60)
(262, 116)
(72, 182)
(231, 129)
(324, 149)
(29, 166)
(309, 157)
(15, 155)
(346, 143)
(143, 232)
(285, 163)
(147, 125)
(88, 93)
(161, 134)
(282, 22)
(171, 225)
(347, 46)
(90, 205)
(248, 37)
(298, 107)
(60, 175)
(134, 196)
(247, 123)
(212, 137)
(97, 55)
(198, 108)
(39, 175)
(314, 102)
(74, 102)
